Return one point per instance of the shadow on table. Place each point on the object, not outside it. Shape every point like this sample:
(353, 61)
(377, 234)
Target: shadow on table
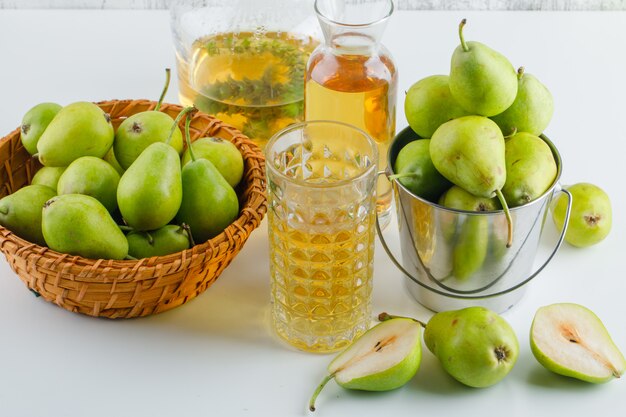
(541, 377)
(235, 307)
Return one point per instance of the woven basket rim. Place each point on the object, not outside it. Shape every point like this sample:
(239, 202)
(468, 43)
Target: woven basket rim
(250, 215)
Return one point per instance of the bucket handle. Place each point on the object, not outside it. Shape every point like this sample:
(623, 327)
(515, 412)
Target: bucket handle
(530, 277)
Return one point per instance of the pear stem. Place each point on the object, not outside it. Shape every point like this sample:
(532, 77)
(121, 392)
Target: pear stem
(182, 113)
(319, 389)
(520, 73)
(150, 238)
(386, 316)
(189, 236)
(509, 220)
(130, 258)
(125, 228)
(164, 92)
(463, 44)
(188, 138)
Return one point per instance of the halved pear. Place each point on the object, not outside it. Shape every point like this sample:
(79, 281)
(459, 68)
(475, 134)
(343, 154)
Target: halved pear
(570, 340)
(386, 357)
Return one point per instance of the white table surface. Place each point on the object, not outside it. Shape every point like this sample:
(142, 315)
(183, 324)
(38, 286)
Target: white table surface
(216, 355)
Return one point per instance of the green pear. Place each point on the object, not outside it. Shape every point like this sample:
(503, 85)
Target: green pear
(532, 109)
(78, 224)
(222, 153)
(48, 176)
(91, 176)
(112, 160)
(35, 121)
(429, 104)
(384, 358)
(209, 203)
(530, 168)
(140, 130)
(150, 191)
(459, 199)
(170, 238)
(591, 216)
(469, 151)
(20, 212)
(571, 340)
(415, 170)
(470, 249)
(79, 129)
(475, 346)
(481, 80)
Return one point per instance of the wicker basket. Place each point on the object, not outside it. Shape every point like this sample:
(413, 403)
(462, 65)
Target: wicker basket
(123, 289)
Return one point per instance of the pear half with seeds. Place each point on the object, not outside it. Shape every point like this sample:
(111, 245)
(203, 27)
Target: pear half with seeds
(386, 357)
(570, 340)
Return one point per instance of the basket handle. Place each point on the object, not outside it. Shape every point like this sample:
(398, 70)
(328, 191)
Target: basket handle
(398, 265)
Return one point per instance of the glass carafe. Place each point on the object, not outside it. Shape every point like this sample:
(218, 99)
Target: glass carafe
(243, 61)
(352, 78)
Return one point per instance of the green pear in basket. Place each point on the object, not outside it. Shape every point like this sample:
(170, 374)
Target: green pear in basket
(470, 248)
(571, 340)
(530, 168)
(469, 151)
(91, 176)
(384, 358)
(20, 212)
(79, 224)
(429, 104)
(532, 109)
(142, 129)
(222, 153)
(415, 170)
(112, 160)
(209, 203)
(169, 239)
(48, 176)
(150, 191)
(35, 121)
(79, 129)
(481, 80)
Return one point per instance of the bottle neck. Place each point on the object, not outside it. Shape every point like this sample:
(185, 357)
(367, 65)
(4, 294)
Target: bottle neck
(353, 26)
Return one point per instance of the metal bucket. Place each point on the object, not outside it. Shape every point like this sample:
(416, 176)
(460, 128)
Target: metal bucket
(439, 245)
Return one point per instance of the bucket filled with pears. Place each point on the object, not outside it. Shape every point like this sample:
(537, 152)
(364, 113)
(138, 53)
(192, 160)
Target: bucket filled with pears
(126, 208)
(474, 177)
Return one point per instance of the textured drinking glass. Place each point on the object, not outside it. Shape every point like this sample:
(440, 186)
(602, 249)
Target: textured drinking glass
(322, 211)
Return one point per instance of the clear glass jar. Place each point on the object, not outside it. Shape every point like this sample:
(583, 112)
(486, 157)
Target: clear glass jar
(352, 78)
(243, 61)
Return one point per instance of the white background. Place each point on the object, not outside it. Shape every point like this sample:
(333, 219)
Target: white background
(216, 355)
(402, 4)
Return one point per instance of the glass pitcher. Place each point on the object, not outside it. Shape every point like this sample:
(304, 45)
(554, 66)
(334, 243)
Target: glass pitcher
(243, 61)
(352, 78)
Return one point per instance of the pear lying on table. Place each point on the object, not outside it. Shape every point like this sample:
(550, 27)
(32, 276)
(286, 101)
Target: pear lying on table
(570, 340)
(386, 357)
(475, 346)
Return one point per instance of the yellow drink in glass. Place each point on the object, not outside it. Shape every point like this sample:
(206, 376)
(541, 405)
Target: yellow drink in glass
(321, 219)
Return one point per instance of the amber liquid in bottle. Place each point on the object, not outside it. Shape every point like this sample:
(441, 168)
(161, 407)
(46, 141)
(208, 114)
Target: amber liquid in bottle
(359, 89)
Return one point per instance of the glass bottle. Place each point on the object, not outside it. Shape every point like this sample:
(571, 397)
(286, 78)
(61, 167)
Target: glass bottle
(352, 78)
(243, 61)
